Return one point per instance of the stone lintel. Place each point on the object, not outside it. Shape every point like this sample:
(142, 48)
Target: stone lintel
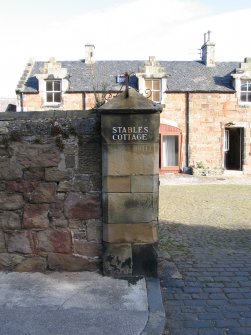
(130, 233)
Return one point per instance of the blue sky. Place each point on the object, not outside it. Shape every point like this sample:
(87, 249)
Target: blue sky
(132, 29)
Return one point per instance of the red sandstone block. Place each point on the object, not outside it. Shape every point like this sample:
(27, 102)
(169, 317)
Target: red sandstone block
(81, 206)
(57, 240)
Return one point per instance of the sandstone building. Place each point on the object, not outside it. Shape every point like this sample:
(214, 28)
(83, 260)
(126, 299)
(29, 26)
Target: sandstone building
(206, 117)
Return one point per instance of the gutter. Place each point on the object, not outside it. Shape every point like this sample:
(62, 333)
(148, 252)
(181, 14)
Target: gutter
(203, 91)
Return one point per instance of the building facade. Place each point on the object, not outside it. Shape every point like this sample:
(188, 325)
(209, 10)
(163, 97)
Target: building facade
(206, 117)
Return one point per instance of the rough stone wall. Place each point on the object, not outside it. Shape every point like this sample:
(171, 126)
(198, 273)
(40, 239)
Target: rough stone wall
(73, 101)
(31, 102)
(70, 101)
(174, 112)
(50, 191)
(208, 115)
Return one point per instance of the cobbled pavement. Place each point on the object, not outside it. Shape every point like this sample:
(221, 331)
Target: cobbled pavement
(205, 255)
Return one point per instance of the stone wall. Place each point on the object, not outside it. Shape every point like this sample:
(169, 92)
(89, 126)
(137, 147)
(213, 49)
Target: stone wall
(78, 101)
(209, 113)
(50, 191)
(35, 102)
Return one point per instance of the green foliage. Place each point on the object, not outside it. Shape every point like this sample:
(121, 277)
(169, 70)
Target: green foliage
(200, 165)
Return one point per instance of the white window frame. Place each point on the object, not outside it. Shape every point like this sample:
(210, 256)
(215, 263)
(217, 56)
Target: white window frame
(247, 92)
(173, 147)
(53, 92)
(154, 90)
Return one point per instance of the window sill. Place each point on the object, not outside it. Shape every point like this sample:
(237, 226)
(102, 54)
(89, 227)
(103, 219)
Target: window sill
(57, 105)
(245, 103)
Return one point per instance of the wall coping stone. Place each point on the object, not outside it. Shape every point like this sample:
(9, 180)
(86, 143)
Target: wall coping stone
(5, 116)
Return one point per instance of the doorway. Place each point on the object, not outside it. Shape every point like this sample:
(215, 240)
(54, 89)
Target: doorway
(234, 148)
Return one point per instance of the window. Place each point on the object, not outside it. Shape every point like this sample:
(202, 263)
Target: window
(153, 86)
(53, 91)
(246, 90)
(170, 150)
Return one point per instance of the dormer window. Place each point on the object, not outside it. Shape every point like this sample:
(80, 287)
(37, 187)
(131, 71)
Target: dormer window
(152, 79)
(246, 90)
(53, 91)
(242, 82)
(153, 89)
(53, 82)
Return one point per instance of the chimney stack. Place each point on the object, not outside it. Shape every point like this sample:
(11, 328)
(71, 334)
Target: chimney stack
(89, 54)
(208, 50)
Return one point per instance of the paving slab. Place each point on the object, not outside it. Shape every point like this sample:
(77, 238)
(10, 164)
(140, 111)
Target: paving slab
(71, 303)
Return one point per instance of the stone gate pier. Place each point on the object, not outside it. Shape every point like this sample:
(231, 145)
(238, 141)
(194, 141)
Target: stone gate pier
(130, 184)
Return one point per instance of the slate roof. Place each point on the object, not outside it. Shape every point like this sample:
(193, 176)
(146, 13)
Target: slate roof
(195, 76)
(191, 76)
